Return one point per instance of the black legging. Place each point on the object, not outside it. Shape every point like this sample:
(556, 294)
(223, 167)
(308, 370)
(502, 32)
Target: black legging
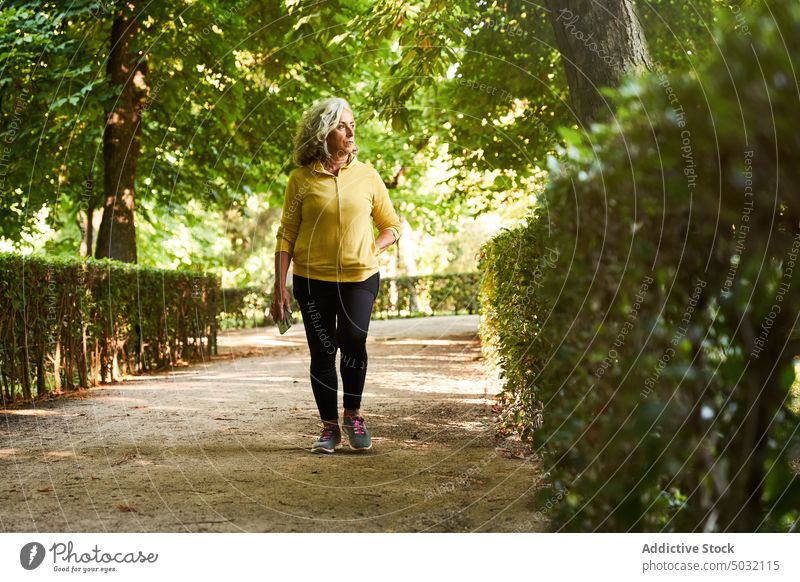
(321, 303)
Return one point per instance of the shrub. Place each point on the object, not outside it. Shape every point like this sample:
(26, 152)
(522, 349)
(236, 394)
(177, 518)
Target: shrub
(648, 365)
(242, 307)
(398, 297)
(70, 323)
(428, 295)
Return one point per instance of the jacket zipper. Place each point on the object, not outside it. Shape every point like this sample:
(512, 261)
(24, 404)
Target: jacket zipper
(339, 213)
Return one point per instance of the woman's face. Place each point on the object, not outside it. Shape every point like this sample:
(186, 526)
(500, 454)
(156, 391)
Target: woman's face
(342, 139)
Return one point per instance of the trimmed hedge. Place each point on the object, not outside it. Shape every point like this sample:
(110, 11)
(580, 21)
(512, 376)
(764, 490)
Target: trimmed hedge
(71, 324)
(428, 295)
(242, 307)
(642, 314)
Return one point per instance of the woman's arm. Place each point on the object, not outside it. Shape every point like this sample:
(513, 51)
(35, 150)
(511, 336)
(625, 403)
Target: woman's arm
(291, 216)
(385, 239)
(385, 216)
(282, 260)
(280, 294)
(284, 247)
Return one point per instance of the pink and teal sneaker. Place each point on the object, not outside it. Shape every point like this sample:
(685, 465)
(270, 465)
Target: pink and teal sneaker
(357, 434)
(329, 439)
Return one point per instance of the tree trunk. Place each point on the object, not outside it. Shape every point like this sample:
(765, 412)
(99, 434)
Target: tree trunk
(599, 42)
(86, 225)
(116, 237)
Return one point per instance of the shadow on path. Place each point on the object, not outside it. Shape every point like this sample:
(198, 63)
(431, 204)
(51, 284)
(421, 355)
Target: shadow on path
(223, 445)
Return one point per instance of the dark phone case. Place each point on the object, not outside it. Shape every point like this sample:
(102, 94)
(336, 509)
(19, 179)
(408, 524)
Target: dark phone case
(286, 322)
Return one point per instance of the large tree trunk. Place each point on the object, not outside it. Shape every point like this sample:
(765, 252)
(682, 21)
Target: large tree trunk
(85, 219)
(599, 41)
(116, 237)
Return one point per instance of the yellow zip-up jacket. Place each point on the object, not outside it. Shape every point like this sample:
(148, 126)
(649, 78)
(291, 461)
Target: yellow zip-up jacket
(326, 224)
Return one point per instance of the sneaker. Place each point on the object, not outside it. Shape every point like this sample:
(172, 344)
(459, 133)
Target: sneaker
(357, 434)
(329, 440)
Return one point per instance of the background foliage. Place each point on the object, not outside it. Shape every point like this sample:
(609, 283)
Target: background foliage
(70, 324)
(422, 295)
(625, 313)
(644, 358)
(473, 91)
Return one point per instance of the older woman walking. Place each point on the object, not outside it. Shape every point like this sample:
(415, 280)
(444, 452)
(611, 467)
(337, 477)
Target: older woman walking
(326, 229)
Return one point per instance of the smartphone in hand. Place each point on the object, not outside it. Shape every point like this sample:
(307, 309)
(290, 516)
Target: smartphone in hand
(285, 323)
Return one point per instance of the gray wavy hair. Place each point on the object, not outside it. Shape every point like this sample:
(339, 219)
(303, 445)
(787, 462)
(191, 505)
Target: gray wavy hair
(316, 123)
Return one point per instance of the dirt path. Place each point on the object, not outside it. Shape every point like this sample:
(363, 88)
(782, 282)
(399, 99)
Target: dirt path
(223, 446)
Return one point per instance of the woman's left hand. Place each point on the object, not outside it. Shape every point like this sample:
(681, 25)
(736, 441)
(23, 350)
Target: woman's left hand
(384, 241)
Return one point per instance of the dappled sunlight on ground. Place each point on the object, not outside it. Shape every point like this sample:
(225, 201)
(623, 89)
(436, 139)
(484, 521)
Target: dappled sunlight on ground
(60, 454)
(425, 342)
(224, 446)
(34, 412)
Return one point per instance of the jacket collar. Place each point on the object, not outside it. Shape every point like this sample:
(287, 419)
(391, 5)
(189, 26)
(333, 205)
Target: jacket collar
(317, 166)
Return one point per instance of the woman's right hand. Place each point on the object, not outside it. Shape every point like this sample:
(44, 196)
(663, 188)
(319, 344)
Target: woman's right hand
(280, 300)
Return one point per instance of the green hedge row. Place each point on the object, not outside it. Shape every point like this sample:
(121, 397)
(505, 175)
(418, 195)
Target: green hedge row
(428, 295)
(641, 316)
(70, 324)
(241, 307)
(398, 297)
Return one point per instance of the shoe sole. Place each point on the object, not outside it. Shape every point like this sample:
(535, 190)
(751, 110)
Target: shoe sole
(360, 448)
(325, 450)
